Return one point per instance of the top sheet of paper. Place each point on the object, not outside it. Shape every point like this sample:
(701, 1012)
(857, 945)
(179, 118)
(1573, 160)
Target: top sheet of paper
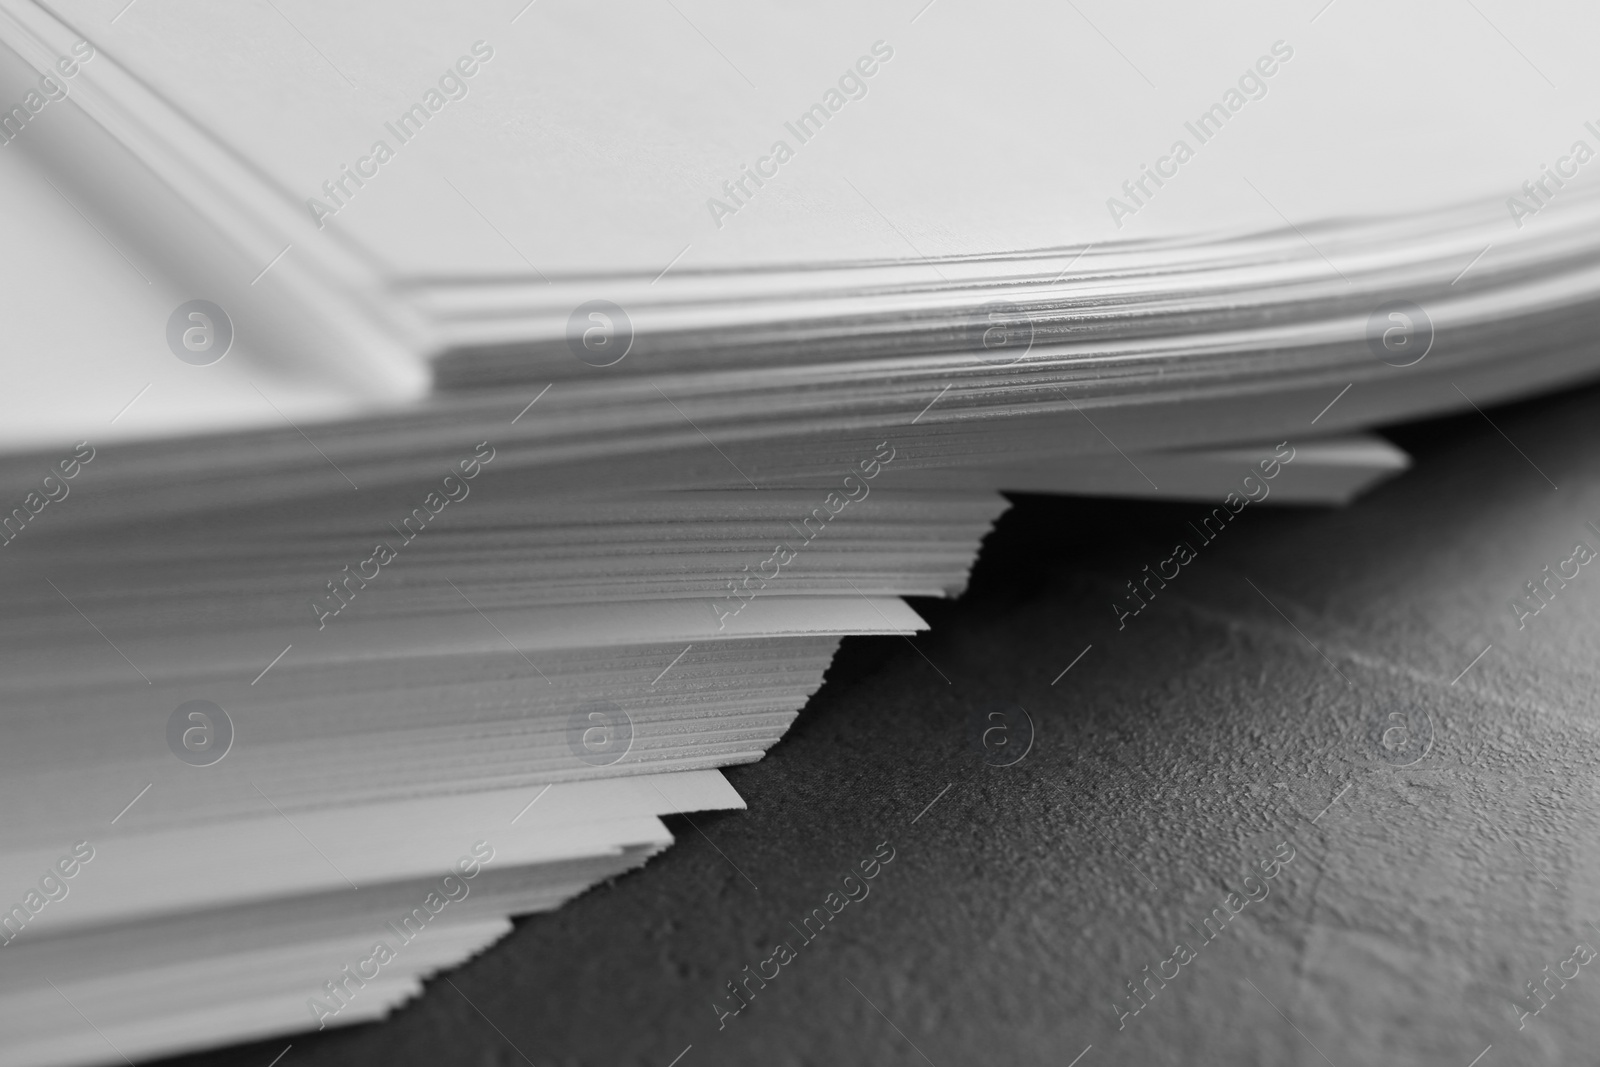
(563, 138)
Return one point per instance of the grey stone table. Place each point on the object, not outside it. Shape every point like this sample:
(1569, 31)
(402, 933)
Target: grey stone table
(1328, 798)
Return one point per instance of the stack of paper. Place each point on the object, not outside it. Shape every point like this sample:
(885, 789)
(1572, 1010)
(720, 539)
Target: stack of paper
(430, 451)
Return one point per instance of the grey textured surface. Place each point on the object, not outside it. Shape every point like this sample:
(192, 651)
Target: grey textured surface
(1243, 708)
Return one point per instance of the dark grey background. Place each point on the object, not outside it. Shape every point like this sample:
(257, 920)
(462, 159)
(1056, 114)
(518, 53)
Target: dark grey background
(1224, 719)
